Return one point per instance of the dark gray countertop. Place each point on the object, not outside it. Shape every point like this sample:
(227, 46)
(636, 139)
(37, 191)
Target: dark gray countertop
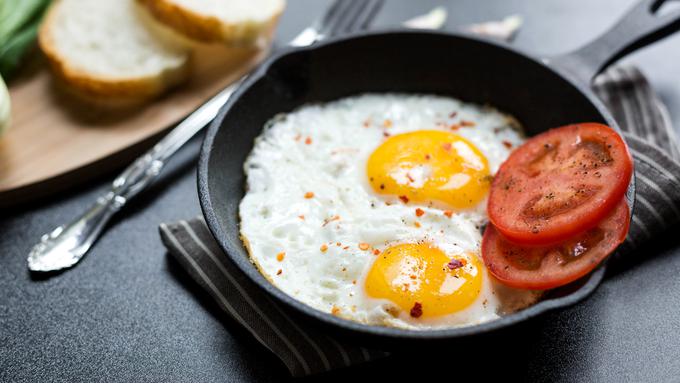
(128, 313)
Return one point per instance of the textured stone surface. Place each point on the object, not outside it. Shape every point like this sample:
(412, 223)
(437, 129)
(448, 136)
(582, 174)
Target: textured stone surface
(127, 313)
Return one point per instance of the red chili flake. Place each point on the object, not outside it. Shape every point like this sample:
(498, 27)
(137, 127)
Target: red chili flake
(387, 123)
(279, 272)
(364, 246)
(507, 144)
(301, 216)
(416, 310)
(323, 248)
(419, 212)
(280, 256)
(427, 157)
(309, 195)
(346, 247)
(448, 213)
(417, 224)
(403, 198)
(453, 114)
(455, 264)
(354, 282)
(446, 146)
(386, 134)
(382, 186)
(308, 140)
(467, 123)
(335, 310)
(376, 251)
(454, 126)
(408, 175)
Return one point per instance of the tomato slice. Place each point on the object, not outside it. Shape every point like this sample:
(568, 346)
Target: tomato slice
(547, 267)
(559, 183)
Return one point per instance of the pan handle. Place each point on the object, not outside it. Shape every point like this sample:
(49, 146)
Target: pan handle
(639, 27)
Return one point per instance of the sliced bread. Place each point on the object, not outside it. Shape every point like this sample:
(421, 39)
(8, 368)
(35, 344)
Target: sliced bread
(234, 22)
(106, 51)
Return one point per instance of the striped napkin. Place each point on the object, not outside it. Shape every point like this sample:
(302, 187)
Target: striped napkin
(307, 351)
(655, 149)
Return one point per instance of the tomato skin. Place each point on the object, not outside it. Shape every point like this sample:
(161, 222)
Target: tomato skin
(559, 183)
(547, 267)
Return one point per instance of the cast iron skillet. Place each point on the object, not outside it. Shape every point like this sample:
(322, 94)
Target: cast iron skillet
(541, 93)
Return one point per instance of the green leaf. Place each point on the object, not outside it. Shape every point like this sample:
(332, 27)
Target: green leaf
(19, 21)
(14, 14)
(13, 50)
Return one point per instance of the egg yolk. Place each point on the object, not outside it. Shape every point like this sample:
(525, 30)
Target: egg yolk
(428, 166)
(412, 273)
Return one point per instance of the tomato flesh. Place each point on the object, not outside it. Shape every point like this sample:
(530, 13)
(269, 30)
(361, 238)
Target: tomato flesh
(559, 183)
(547, 267)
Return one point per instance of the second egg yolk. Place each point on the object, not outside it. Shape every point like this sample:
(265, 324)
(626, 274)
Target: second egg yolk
(429, 165)
(421, 273)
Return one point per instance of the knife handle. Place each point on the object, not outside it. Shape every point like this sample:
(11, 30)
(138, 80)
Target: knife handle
(72, 241)
(66, 245)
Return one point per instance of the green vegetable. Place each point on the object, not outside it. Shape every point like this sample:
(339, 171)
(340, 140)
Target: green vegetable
(19, 21)
(4, 106)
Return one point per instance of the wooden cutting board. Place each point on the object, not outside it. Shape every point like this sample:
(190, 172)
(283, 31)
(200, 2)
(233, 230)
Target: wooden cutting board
(55, 142)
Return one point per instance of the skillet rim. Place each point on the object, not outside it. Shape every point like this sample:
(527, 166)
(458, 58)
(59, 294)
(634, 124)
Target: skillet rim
(393, 333)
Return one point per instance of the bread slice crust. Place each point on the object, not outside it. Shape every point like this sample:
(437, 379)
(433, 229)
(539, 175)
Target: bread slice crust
(210, 29)
(101, 89)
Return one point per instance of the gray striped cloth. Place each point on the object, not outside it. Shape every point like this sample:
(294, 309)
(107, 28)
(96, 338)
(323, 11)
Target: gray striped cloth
(307, 351)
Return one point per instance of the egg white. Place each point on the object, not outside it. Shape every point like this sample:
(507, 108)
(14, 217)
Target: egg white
(323, 149)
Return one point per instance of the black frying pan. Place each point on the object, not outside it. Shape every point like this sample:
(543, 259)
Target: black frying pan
(541, 93)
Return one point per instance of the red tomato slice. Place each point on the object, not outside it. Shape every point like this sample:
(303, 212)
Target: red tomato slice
(559, 183)
(547, 267)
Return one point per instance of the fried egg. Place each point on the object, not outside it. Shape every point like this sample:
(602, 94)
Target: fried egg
(371, 208)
